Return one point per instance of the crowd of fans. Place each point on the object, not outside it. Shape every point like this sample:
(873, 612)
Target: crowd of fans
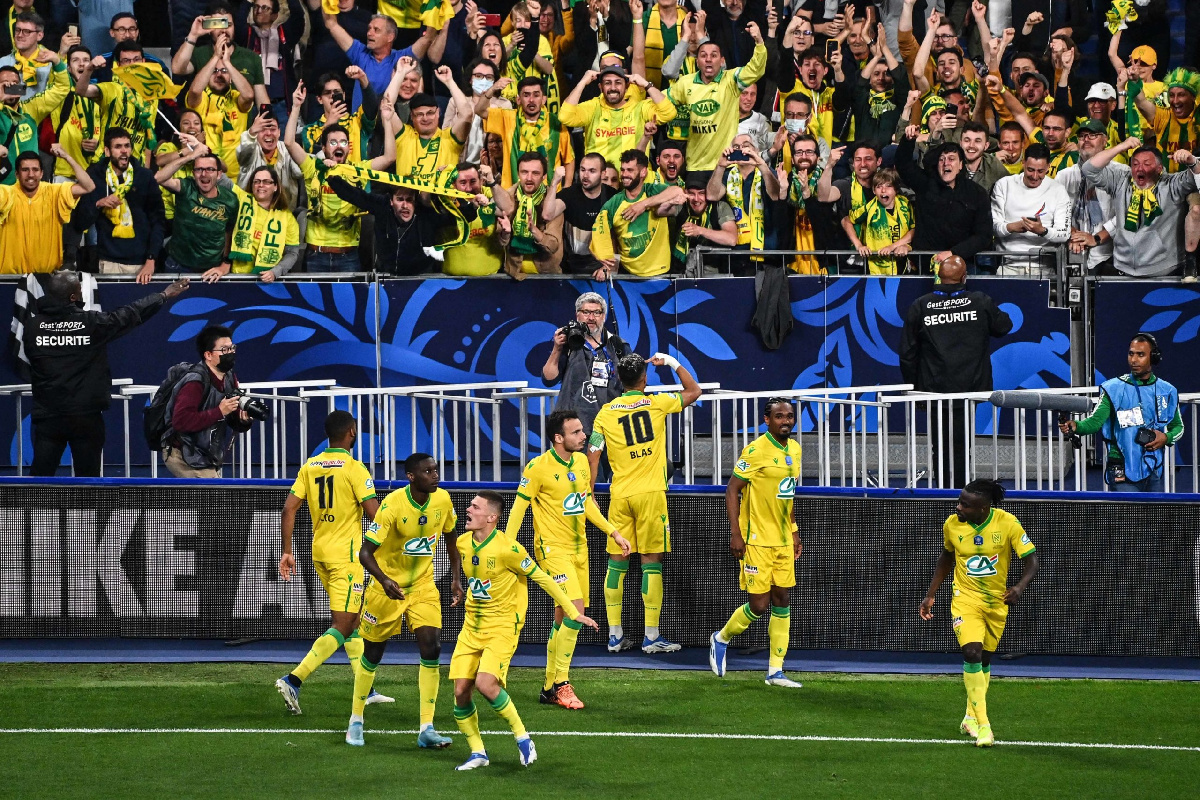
(593, 137)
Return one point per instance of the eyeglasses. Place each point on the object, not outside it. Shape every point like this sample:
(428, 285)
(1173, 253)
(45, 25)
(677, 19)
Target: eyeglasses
(220, 71)
(205, 169)
(806, 152)
(590, 312)
(126, 29)
(25, 31)
(264, 8)
(224, 350)
(263, 182)
(804, 33)
(950, 36)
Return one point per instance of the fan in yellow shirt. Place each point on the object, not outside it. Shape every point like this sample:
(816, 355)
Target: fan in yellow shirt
(613, 123)
(222, 97)
(977, 541)
(633, 428)
(422, 148)
(557, 484)
(759, 501)
(398, 551)
(497, 570)
(638, 220)
(32, 214)
(339, 491)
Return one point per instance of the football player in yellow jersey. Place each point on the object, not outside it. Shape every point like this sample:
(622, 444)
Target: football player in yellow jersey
(339, 490)
(497, 570)
(976, 541)
(558, 485)
(634, 429)
(764, 537)
(398, 551)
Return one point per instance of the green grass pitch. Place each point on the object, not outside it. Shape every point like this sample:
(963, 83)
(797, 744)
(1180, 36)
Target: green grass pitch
(240, 754)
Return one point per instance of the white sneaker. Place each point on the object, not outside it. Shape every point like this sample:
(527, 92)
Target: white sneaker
(475, 761)
(777, 678)
(375, 697)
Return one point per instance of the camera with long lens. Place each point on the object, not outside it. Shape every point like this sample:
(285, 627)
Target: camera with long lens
(576, 334)
(255, 408)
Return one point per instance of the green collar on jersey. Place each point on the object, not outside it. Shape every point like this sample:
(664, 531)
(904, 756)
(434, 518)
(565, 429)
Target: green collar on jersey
(336, 450)
(776, 442)
(415, 504)
(477, 546)
(558, 458)
(633, 393)
(984, 524)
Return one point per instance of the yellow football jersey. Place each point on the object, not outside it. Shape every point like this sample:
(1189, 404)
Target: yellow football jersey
(497, 591)
(982, 555)
(407, 535)
(644, 241)
(634, 429)
(422, 158)
(713, 108)
(561, 496)
(336, 486)
(611, 131)
(772, 471)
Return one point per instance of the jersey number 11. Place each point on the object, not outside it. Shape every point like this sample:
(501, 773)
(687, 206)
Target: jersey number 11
(325, 496)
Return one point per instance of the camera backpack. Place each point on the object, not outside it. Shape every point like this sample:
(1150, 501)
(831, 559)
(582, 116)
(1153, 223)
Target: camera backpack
(154, 416)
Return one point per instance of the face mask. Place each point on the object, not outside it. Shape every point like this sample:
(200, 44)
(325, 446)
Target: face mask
(481, 85)
(226, 362)
(79, 304)
(795, 125)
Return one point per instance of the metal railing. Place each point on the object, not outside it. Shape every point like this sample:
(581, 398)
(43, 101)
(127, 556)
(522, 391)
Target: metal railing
(1046, 264)
(17, 392)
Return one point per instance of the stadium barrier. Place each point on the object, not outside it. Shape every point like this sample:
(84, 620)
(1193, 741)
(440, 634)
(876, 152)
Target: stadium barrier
(198, 559)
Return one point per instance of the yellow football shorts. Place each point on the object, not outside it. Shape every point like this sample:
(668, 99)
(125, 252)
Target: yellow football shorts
(764, 567)
(973, 622)
(642, 519)
(569, 571)
(383, 617)
(343, 583)
(488, 651)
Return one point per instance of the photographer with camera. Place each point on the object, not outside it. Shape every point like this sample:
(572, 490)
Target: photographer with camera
(584, 358)
(206, 409)
(1138, 416)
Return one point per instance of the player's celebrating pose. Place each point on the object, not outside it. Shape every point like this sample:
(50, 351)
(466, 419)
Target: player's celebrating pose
(558, 485)
(764, 536)
(634, 428)
(977, 539)
(496, 568)
(398, 552)
(339, 491)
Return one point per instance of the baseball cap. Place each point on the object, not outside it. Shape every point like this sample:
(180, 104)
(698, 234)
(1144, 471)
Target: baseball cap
(1145, 54)
(1102, 91)
(1037, 76)
(1093, 126)
(421, 100)
(614, 69)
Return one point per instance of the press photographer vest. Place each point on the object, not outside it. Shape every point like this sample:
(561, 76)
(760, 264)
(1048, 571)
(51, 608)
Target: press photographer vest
(1137, 406)
(202, 449)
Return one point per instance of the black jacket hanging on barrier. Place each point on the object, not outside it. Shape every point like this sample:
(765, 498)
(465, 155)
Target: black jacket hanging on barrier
(773, 314)
(945, 346)
(68, 356)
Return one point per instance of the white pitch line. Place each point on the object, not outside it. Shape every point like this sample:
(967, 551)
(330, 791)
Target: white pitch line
(621, 735)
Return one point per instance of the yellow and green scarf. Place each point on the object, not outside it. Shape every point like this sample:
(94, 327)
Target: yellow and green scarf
(1143, 208)
(796, 187)
(747, 207)
(120, 217)
(682, 246)
(880, 103)
(1122, 12)
(880, 228)
(537, 137)
(527, 209)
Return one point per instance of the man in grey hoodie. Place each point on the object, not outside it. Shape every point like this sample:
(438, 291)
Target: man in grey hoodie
(1149, 206)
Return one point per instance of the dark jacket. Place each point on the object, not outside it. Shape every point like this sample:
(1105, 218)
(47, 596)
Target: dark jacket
(194, 423)
(578, 393)
(875, 129)
(145, 206)
(290, 34)
(399, 248)
(736, 45)
(68, 354)
(957, 219)
(945, 346)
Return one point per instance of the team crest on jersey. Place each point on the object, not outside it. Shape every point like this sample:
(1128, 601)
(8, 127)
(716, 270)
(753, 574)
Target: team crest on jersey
(369, 617)
(491, 562)
(420, 546)
(996, 537)
(573, 504)
(743, 465)
(978, 540)
(751, 569)
(982, 566)
(480, 589)
(787, 489)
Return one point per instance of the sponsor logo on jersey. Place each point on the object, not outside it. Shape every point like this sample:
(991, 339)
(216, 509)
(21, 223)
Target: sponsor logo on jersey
(956, 623)
(751, 569)
(1024, 538)
(328, 463)
(369, 617)
(560, 577)
(370, 484)
(743, 465)
(357, 588)
(480, 589)
(705, 108)
(373, 527)
(421, 546)
(524, 482)
(787, 489)
(982, 566)
(573, 504)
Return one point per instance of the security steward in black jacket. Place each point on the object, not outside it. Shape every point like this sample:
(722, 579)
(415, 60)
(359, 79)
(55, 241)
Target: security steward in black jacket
(68, 357)
(946, 350)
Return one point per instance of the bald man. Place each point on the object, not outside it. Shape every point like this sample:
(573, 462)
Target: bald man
(946, 349)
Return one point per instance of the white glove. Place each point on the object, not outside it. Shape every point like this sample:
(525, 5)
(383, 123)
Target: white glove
(668, 361)
(435, 253)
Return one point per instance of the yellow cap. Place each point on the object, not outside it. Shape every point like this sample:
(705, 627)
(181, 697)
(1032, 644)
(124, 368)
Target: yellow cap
(1146, 55)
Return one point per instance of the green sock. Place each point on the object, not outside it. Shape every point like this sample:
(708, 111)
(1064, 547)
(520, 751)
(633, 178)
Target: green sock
(738, 622)
(325, 646)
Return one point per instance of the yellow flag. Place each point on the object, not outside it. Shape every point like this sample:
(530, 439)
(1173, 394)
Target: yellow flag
(440, 185)
(436, 13)
(330, 7)
(147, 81)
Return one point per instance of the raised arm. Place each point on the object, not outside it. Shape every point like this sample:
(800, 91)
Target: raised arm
(337, 32)
(83, 182)
(195, 149)
(1015, 107)
(921, 62)
(462, 124)
(246, 91)
(1145, 104)
(1104, 157)
(483, 103)
(200, 82)
(295, 150)
(181, 62)
(387, 113)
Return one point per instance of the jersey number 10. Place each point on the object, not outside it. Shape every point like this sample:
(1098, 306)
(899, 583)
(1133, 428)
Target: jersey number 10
(325, 496)
(637, 427)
